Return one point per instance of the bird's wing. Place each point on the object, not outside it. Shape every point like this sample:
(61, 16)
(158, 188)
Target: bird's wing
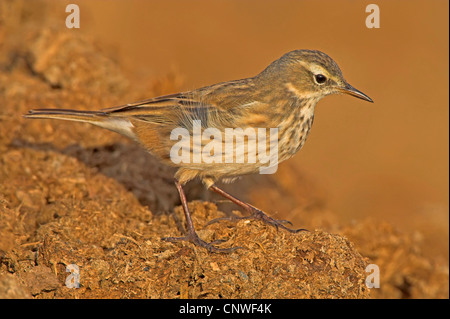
(212, 105)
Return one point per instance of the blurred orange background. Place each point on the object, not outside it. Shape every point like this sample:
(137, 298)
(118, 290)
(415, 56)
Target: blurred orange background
(387, 160)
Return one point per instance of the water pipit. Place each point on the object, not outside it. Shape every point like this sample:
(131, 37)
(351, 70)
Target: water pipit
(280, 100)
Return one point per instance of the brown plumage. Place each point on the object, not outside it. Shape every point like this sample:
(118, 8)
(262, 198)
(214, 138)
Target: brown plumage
(283, 96)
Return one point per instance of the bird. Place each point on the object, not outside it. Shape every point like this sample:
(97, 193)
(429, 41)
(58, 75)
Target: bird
(281, 100)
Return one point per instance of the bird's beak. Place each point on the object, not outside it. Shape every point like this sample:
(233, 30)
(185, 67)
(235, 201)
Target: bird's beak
(348, 89)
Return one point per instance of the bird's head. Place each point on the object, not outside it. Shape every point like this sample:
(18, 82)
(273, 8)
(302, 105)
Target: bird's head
(310, 74)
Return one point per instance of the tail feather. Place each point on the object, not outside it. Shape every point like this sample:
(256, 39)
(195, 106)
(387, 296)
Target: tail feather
(63, 114)
(117, 124)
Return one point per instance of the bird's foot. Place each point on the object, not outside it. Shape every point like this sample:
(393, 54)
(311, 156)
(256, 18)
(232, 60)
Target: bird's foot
(259, 214)
(193, 238)
(256, 213)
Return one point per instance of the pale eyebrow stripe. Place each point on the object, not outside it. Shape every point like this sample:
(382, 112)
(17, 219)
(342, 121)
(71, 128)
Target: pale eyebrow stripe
(315, 69)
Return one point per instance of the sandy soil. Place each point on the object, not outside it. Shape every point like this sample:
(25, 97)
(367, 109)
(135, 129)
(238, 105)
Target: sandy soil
(74, 194)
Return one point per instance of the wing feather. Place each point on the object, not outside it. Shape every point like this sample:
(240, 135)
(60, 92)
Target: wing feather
(212, 105)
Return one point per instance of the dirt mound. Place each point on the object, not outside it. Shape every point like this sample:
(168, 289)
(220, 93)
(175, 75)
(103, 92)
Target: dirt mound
(82, 198)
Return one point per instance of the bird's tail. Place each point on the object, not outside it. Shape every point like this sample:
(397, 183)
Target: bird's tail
(62, 114)
(117, 124)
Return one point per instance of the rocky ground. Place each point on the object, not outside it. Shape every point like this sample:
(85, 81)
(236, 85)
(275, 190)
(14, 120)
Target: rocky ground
(71, 194)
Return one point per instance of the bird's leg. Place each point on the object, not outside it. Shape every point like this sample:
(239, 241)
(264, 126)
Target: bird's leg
(254, 212)
(191, 235)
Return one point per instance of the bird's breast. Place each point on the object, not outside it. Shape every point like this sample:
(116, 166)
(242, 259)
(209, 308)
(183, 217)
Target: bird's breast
(294, 130)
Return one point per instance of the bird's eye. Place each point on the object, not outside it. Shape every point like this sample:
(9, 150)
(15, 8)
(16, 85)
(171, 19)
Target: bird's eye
(320, 78)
